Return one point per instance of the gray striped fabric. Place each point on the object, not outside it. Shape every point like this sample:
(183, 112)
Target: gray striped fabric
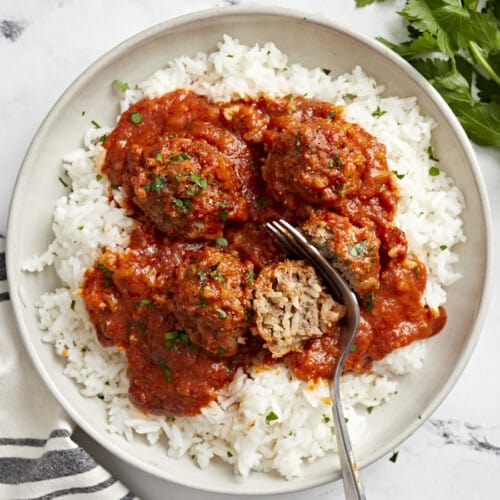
(38, 459)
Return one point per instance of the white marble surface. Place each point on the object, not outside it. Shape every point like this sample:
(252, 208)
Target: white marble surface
(45, 44)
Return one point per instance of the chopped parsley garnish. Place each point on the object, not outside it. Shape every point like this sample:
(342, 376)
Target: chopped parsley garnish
(326, 71)
(262, 202)
(221, 242)
(199, 181)
(182, 205)
(430, 153)
(229, 454)
(72, 306)
(218, 276)
(202, 302)
(353, 347)
(442, 247)
(120, 86)
(398, 175)
(379, 112)
(433, 171)
(179, 157)
(108, 273)
(326, 419)
(80, 228)
(159, 157)
(331, 115)
(271, 416)
(166, 370)
(144, 302)
(289, 96)
(98, 177)
(191, 190)
(136, 117)
(221, 313)
(223, 215)
(189, 126)
(100, 395)
(249, 277)
(394, 457)
(156, 185)
(358, 250)
(101, 139)
(172, 337)
(369, 409)
(416, 270)
(62, 181)
(369, 300)
(96, 125)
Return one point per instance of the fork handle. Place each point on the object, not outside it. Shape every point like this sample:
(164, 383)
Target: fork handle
(353, 488)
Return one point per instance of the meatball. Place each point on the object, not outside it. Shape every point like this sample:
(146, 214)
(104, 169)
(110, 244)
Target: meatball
(212, 300)
(353, 250)
(322, 161)
(291, 306)
(186, 187)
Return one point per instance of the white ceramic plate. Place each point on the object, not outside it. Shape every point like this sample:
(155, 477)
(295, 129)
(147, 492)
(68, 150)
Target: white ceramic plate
(312, 42)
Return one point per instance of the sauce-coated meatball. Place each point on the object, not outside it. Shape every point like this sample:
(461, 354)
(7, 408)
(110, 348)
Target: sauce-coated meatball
(186, 187)
(322, 161)
(212, 300)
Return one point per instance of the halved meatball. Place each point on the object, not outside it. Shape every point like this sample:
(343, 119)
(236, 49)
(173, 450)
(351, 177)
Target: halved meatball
(212, 300)
(353, 250)
(292, 306)
(186, 187)
(322, 161)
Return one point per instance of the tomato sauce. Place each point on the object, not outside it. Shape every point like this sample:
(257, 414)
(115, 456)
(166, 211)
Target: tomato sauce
(201, 179)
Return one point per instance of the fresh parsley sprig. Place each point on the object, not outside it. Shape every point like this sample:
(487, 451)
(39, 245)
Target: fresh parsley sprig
(455, 44)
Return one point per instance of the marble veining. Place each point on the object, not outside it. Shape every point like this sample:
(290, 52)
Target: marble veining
(456, 432)
(11, 29)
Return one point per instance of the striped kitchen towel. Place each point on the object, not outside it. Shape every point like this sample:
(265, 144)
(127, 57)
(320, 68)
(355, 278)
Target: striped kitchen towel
(38, 459)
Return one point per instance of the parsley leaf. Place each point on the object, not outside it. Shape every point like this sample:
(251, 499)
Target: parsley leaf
(358, 250)
(271, 416)
(456, 46)
(120, 86)
(156, 185)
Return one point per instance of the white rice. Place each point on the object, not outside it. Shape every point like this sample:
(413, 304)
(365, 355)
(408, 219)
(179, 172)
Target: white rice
(234, 427)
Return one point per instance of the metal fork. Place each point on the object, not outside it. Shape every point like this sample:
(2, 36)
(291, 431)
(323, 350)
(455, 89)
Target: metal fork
(294, 242)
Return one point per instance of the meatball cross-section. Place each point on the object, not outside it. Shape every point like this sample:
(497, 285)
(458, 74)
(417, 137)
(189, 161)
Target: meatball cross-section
(292, 306)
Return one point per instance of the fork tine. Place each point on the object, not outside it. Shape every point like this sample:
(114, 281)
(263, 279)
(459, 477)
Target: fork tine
(286, 242)
(308, 251)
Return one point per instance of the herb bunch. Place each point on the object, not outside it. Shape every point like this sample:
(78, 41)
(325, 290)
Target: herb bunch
(455, 44)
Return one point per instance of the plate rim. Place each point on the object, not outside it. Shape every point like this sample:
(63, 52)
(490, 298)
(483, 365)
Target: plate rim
(286, 13)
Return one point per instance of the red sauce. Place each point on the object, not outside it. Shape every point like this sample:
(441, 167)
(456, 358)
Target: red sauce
(202, 178)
